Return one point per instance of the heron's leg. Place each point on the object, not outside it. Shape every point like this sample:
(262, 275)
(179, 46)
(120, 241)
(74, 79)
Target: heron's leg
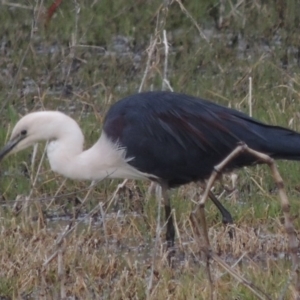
(170, 234)
(226, 216)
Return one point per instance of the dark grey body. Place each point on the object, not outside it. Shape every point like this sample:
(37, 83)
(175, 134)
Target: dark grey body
(180, 138)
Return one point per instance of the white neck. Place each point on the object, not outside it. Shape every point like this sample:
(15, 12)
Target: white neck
(103, 160)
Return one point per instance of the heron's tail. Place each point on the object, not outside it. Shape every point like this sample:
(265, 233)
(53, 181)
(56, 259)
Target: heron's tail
(280, 143)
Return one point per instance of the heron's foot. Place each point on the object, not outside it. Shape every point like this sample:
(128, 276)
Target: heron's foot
(228, 220)
(170, 253)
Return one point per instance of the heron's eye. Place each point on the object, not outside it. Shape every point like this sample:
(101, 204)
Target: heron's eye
(24, 132)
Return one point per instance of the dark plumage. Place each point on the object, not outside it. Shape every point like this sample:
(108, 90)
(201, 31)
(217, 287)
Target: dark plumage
(180, 138)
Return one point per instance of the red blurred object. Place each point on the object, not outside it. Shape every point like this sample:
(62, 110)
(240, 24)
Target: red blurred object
(51, 10)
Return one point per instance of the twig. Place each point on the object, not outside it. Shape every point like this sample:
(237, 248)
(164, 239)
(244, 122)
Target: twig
(34, 180)
(17, 5)
(250, 96)
(166, 83)
(221, 13)
(150, 51)
(119, 187)
(177, 229)
(56, 193)
(193, 20)
(61, 273)
(254, 289)
(157, 237)
(73, 43)
(104, 223)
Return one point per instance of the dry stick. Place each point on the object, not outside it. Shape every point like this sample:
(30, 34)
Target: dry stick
(166, 82)
(61, 273)
(40, 164)
(34, 180)
(158, 231)
(16, 5)
(151, 190)
(290, 230)
(177, 229)
(73, 42)
(193, 20)
(56, 193)
(120, 186)
(221, 13)
(235, 263)
(104, 223)
(254, 289)
(150, 50)
(58, 243)
(234, 10)
(250, 96)
(34, 152)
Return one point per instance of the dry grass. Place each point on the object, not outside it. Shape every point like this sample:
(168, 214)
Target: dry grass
(115, 262)
(94, 267)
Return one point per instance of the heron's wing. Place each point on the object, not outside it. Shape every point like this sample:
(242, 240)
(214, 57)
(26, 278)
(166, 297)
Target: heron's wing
(198, 124)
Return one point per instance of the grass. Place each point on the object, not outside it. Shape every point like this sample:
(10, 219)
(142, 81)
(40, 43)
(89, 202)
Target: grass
(76, 65)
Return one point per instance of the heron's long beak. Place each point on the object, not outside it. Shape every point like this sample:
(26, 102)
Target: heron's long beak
(10, 146)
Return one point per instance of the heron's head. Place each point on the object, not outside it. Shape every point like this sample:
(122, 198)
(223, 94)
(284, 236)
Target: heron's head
(32, 128)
